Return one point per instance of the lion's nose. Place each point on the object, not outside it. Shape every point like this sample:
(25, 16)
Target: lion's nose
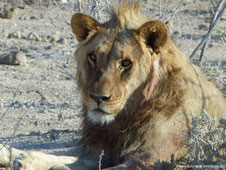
(99, 99)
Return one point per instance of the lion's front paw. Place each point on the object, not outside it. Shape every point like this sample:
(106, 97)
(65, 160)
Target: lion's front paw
(4, 156)
(8, 155)
(21, 162)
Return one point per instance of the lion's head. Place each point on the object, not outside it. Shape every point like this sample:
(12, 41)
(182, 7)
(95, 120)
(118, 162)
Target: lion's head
(116, 58)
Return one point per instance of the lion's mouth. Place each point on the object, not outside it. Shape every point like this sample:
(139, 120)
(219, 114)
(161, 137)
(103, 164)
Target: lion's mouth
(98, 110)
(98, 115)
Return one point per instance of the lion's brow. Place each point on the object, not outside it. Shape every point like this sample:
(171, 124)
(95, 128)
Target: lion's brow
(110, 49)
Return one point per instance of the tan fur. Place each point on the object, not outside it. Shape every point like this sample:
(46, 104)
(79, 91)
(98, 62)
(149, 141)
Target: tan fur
(138, 89)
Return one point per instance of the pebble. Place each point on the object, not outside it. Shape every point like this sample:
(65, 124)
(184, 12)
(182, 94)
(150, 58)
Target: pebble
(30, 2)
(203, 27)
(21, 7)
(14, 48)
(17, 35)
(10, 35)
(53, 38)
(33, 37)
(61, 41)
(23, 49)
(33, 133)
(7, 12)
(48, 47)
(24, 18)
(53, 134)
(21, 59)
(34, 48)
(210, 45)
(33, 17)
(14, 58)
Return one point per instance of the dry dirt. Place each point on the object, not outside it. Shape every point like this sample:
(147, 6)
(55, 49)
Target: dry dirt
(39, 103)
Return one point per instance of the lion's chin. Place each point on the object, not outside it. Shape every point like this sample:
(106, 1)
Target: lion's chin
(98, 116)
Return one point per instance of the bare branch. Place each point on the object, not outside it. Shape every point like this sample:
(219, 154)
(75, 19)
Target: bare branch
(16, 127)
(165, 7)
(160, 9)
(80, 6)
(202, 52)
(213, 4)
(175, 10)
(66, 21)
(100, 158)
(10, 106)
(217, 15)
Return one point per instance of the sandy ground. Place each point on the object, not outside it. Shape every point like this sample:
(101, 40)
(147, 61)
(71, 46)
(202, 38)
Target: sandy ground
(40, 105)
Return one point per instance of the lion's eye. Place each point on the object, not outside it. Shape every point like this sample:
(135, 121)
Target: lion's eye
(92, 58)
(126, 63)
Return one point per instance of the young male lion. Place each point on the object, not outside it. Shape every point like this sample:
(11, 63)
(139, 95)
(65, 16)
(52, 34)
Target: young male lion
(138, 93)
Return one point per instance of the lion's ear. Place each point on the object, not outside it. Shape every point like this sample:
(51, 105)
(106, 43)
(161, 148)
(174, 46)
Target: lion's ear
(82, 25)
(155, 34)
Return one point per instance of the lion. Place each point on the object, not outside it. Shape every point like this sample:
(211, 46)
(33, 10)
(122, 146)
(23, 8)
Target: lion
(138, 90)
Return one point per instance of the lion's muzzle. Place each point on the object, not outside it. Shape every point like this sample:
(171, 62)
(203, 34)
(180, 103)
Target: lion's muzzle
(99, 98)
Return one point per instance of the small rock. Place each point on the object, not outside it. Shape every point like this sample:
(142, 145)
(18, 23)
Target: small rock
(21, 6)
(34, 48)
(21, 59)
(15, 35)
(6, 12)
(14, 58)
(54, 135)
(53, 38)
(36, 123)
(18, 35)
(33, 17)
(25, 50)
(33, 133)
(33, 37)
(14, 48)
(67, 78)
(60, 117)
(48, 47)
(61, 41)
(11, 35)
(210, 45)
(30, 2)
(48, 37)
(203, 27)
(24, 17)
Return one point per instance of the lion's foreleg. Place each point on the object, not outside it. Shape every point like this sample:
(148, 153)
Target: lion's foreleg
(129, 164)
(18, 159)
(7, 156)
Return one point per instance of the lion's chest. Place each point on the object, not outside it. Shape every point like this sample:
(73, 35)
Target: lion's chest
(167, 138)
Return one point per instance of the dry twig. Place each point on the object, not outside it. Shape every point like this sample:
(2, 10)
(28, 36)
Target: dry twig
(175, 10)
(219, 10)
(100, 158)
